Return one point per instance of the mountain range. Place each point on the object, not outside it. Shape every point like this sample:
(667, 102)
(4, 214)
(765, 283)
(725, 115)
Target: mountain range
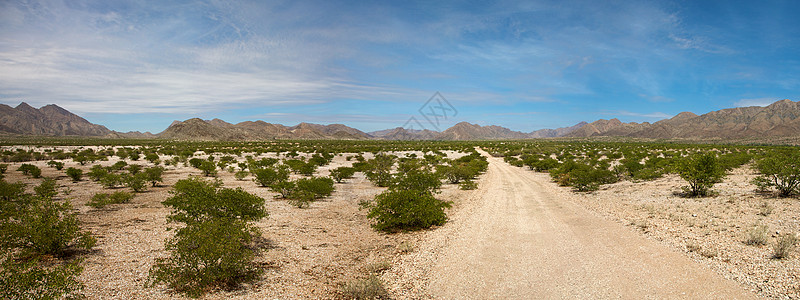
(780, 119)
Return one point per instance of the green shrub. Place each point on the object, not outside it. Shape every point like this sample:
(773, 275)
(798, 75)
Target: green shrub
(585, 179)
(137, 182)
(262, 163)
(111, 180)
(38, 225)
(75, 173)
(300, 167)
(209, 254)
(214, 249)
(196, 162)
(361, 166)
(417, 180)
(209, 168)
(9, 193)
(780, 170)
(30, 279)
(701, 171)
(152, 158)
(241, 174)
(153, 175)
(468, 185)
(194, 200)
(56, 164)
(582, 176)
(46, 189)
(284, 188)
(454, 174)
(119, 165)
(134, 169)
(100, 200)
(379, 171)
(407, 210)
(29, 169)
(317, 187)
(269, 176)
(97, 172)
(3, 168)
(341, 173)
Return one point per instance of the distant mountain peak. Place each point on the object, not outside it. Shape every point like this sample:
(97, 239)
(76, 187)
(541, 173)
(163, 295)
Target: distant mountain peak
(779, 119)
(50, 120)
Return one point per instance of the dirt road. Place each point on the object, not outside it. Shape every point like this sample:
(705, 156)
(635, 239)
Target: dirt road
(523, 242)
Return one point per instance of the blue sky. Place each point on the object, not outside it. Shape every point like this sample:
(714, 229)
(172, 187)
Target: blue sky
(525, 65)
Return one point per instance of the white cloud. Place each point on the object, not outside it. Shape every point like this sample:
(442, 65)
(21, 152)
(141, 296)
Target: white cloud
(652, 115)
(755, 102)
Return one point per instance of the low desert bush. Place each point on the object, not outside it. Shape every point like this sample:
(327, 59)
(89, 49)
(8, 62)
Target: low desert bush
(701, 171)
(38, 225)
(112, 180)
(417, 180)
(267, 176)
(341, 173)
(137, 182)
(784, 245)
(407, 210)
(46, 189)
(209, 168)
(97, 172)
(319, 187)
(307, 190)
(75, 174)
(214, 249)
(30, 279)
(29, 169)
(154, 175)
(241, 174)
(468, 185)
(779, 170)
(56, 164)
(208, 254)
(195, 200)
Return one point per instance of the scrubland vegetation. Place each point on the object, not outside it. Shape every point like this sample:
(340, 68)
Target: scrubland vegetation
(214, 243)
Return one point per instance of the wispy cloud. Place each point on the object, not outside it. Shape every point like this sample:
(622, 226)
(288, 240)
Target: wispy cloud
(652, 115)
(755, 102)
(207, 57)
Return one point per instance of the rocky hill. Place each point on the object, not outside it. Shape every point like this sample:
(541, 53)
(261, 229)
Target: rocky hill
(197, 129)
(780, 119)
(402, 134)
(50, 120)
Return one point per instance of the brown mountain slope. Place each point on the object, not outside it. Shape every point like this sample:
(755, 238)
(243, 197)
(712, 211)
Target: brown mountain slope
(197, 129)
(467, 131)
(50, 120)
(780, 119)
(558, 132)
(402, 134)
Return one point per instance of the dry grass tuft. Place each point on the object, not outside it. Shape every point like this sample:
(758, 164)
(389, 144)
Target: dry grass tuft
(365, 288)
(757, 235)
(784, 245)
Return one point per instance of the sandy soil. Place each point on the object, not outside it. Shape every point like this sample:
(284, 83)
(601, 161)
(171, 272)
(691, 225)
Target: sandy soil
(710, 230)
(521, 237)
